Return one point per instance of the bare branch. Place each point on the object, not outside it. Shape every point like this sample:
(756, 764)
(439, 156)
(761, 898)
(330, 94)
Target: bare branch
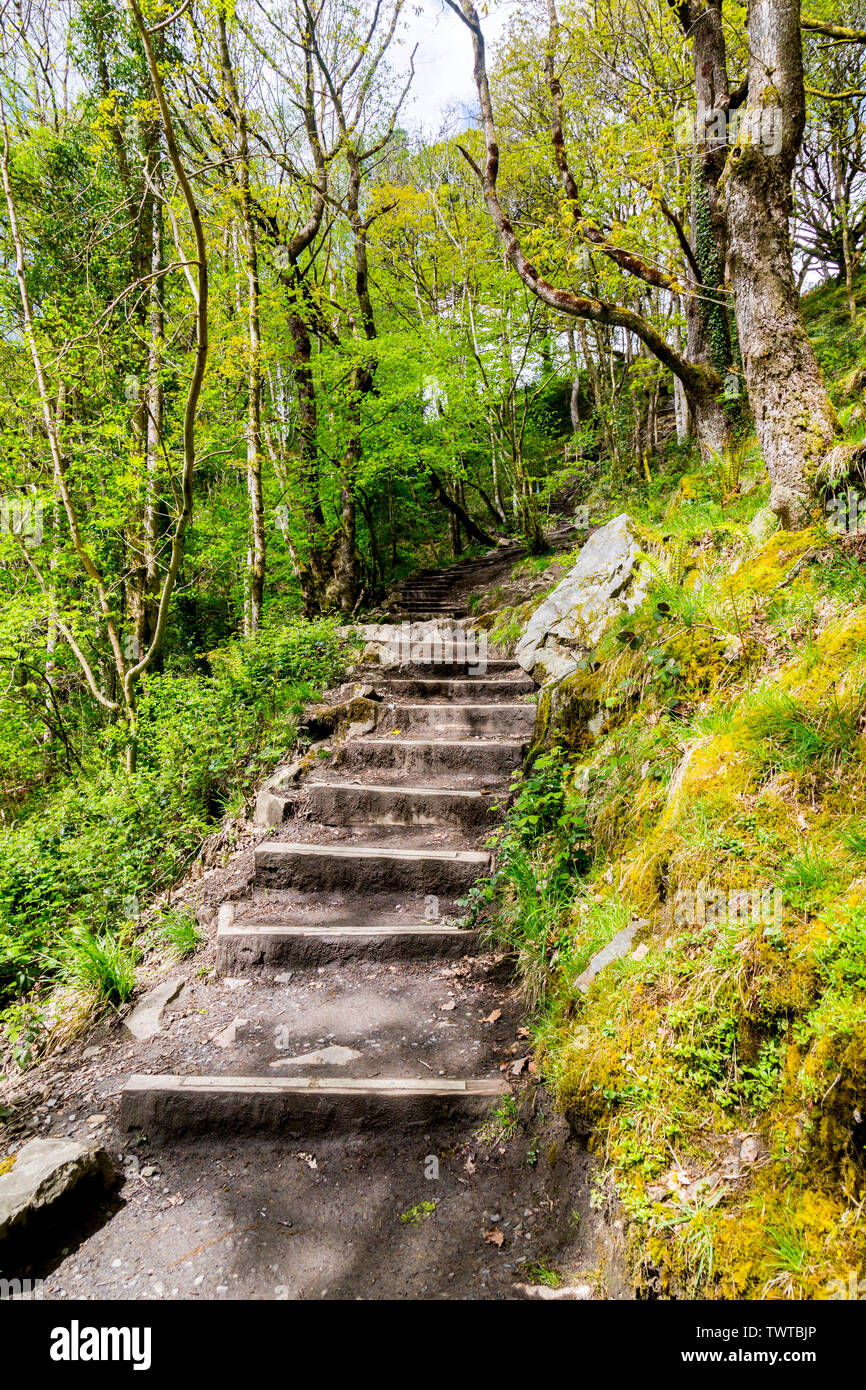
(698, 381)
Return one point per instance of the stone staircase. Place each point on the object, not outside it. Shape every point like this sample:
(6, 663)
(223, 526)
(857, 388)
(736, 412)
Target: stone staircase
(444, 593)
(387, 838)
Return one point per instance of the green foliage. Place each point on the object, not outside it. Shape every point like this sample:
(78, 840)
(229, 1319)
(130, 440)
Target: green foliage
(177, 930)
(793, 736)
(104, 964)
(84, 859)
(503, 1123)
(538, 853)
(537, 1273)
(415, 1215)
(841, 958)
(732, 758)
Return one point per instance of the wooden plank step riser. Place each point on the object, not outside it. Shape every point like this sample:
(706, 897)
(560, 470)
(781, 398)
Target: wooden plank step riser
(456, 721)
(415, 757)
(240, 949)
(316, 868)
(351, 803)
(188, 1106)
(476, 667)
(476, 689)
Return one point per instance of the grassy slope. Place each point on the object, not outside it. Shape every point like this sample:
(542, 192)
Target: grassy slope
(85, 857)
(733, 759)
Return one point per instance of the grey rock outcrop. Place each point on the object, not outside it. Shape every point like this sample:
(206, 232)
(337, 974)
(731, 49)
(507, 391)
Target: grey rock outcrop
(44, 1171)
(606, 581)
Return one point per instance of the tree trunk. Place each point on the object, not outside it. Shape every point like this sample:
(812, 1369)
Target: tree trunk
(843, 214)
(314, 576)
(256, 555)
(153, 430)
(574, 396)
(794, 417)
(470, 527)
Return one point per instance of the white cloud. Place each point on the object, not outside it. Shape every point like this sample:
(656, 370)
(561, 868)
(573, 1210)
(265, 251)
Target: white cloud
(443, 97)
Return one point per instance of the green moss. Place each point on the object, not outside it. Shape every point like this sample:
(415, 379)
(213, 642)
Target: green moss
(774, 560)
(565, 711)
(739, 765)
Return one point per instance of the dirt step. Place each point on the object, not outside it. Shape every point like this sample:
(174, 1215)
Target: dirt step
(415, 757)
(426, 596)
(427, 615)
(361, 803)
(451, 719)
(429, 590)
(476, 664)
(452, 658)
(464, 690)
(444, 606)
(189, 1105)
(365, 869)
(242, 947)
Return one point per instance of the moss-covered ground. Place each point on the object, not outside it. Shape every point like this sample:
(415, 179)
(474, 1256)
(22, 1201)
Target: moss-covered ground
(719, 1068)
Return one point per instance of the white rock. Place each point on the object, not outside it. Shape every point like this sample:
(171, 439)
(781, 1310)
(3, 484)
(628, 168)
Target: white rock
(45, 1170)
(615, 949)
(605, 581)
(146, 1018)
(229, 1035)
(763, 524)
(326, 1056)
(543, 1291)
(750, 1149)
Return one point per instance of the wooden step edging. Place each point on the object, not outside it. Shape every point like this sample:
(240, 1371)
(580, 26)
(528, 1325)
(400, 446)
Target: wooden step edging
(242, 946)
(191, 1105)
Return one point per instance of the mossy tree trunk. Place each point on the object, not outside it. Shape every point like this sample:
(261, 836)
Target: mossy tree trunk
(794, 416)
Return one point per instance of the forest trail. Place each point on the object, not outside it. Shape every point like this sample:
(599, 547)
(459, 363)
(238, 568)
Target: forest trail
(329, 1113)
(383, 844)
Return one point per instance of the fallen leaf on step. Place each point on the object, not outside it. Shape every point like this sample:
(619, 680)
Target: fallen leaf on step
(497, 1013)
(523, 1032)
(517, 1066)
(494, 1236)
(469, 1165)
